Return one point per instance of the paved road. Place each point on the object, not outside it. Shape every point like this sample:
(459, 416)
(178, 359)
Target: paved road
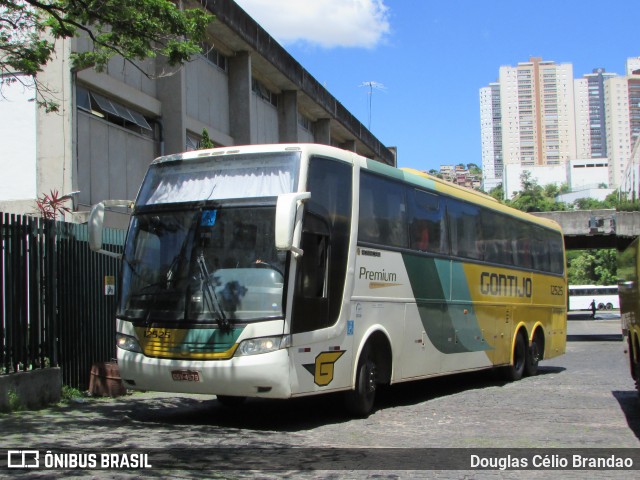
(583, 399)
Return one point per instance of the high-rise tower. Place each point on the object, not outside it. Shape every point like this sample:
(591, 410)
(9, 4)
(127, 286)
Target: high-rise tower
(491, 133)
(538, 117)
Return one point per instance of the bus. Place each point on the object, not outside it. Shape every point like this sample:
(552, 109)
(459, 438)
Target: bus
(279, 271)
(581, 297)
(630, 306)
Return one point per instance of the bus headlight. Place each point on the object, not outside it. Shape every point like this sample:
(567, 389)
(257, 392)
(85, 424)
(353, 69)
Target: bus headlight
(255, 346)
(127, 342)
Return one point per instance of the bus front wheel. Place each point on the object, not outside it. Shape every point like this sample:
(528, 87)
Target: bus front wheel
(359, 402)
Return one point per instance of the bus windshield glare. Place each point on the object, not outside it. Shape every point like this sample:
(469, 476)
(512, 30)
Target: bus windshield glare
(213, 261)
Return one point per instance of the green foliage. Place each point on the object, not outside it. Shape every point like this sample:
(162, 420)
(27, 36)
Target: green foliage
(205, 141)
(134, 29)
(14, 402)
(474, 169)
(69, 393)
(592, 267)
(534, 198)
(497, 193)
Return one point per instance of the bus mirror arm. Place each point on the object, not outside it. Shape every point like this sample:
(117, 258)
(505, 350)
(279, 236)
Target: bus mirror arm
(96, 224)
(286, 225)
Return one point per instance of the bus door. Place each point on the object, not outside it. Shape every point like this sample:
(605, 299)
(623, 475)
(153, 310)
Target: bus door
(321, 348)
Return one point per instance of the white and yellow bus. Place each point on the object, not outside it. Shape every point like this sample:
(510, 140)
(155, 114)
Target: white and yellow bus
(280, 271)
(629, 291)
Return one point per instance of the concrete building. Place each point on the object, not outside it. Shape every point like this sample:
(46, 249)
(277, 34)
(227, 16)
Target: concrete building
(543, 175)
(582, 176)
(491, 136)
(587, 173)
(244, 89)
(630, 186)
(538, 114)
(633, 65)
(622, 120)
(591, 132)
(547, 118)
(618, 127)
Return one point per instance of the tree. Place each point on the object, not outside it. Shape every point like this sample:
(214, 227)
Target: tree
(133, 29)
(474, 169)
(205, 141)
(592, 267)
(497, 193)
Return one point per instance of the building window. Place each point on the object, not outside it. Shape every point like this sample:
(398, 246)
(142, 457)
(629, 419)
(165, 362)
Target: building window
(194, 142)
(304, 122)
(214, 56)
(113, 112)
(264, 93)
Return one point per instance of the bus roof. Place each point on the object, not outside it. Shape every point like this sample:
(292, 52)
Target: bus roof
(411, 176)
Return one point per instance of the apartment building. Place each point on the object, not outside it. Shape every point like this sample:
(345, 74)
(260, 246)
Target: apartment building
(548, 119)
(538, 116)
(491, 136)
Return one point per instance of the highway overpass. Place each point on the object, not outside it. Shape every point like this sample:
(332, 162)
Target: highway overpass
(596, 228)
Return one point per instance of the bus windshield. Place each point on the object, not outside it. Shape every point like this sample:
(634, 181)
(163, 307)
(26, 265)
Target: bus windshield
(201, 244)
(218, 178)
(211, 265)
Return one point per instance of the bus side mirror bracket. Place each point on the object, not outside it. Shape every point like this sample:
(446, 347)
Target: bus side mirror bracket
(96, 224)
(286, 225)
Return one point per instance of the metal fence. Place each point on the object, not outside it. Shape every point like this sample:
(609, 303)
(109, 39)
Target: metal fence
(57, 297)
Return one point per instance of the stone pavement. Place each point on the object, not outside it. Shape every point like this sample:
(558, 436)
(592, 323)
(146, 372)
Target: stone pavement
(585, 398)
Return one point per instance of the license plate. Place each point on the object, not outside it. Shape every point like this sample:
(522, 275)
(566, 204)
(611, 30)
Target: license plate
(185, 376)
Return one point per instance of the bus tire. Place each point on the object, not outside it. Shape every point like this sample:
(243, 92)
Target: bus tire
(359, 401)
(634, 364)
(516, 369)
(534, 355)
(231, 401)
(609, 306)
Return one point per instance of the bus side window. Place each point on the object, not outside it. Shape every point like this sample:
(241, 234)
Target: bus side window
(465, 229)
(383, 212)
(427, 222)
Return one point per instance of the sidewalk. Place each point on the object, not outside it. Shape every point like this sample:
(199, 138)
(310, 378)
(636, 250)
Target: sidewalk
(605, 327)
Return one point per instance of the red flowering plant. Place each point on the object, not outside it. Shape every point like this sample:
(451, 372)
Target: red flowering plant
(51, 205)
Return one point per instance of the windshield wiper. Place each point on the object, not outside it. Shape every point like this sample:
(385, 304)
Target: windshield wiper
(209, 294)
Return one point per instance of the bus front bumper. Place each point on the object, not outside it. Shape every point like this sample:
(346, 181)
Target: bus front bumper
(264, 375)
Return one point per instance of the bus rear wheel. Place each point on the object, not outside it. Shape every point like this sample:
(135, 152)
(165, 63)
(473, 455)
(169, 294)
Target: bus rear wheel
(515, 371)
(359, 402)
(634, 364)
(534, 354)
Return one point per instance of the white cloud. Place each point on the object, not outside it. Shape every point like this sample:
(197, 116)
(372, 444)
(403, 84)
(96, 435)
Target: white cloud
(326, 23)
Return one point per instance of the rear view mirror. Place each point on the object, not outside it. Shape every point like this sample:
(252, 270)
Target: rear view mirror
(96, 224)
(286, 214)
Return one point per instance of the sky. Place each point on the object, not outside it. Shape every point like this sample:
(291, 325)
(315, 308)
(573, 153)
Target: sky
(411, 70)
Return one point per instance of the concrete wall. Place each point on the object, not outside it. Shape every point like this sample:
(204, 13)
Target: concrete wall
(34, 389)
(543, 175)
(112, 161)
(207, 96)
(264, 121)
